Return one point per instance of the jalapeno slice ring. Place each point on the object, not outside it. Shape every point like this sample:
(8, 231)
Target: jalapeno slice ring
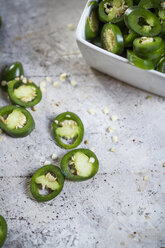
(25, 95)
(139, 62)
(49, 177)
(161, 65)
(16, 121)
(68, 127)
(3, 230)
(142, 21)
(92, 22)
(112, 38)
(129, 38)
(113, 10)
(147, 44)
(79, 165)
(11, 72)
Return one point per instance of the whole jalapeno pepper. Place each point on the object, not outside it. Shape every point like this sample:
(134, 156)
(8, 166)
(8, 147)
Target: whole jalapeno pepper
(68, 130)
(24, 94)
(79, 165)
(161, 65)
(129, 38)
(16, 121)
(112, 38)
(3, 230)
(142, 21)
(92, 22)
(113, 10)
(139, 62)
(47, 177)
(11, 72)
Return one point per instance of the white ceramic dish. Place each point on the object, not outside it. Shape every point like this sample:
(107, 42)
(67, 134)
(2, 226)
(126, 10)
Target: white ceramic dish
(117, 66)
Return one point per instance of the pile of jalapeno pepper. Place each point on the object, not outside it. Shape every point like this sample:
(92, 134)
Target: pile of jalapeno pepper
(134, 29)
(15, 120)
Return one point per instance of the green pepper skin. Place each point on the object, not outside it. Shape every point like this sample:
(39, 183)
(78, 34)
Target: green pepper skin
(16, 83)
(117, 45)
(11, 72)
(129, 38)
(149, 4)
(92, 22)
(139, 62)
(65, 168)
(61, 118)
(147, 47)
(108, 18)
(42, 171)
(3, 230)
(17, 133)
(161, 65)
(134, 14)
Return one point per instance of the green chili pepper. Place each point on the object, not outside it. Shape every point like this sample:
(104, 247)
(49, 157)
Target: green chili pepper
(92, 22)
(16, 121)
(3, 230)
(149, 4)
(49, 177)
(129, 38)
(24, 94)
(161, 65)
(112, 38)
(161, 16)
(68, 127)
(142, 21)
(79, 165)
(11, 72)
(113, 10)
(139, 62)
(97, 41)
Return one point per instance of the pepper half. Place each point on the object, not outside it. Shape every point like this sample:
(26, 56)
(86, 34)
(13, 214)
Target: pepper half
(49, 177)
(11, 72)
(112, 38)
(161, 65)
(3, 230)
(139, 62)
(24, 94)
(113, 10)
(92, 22)
(79, 165)
(16, 121)
(142, 21)
(68, 127)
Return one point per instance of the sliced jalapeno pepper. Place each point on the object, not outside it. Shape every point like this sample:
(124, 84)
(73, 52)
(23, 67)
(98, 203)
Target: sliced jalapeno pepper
(3, 230)
(26, 95)
(92, 22)
(68, 127)
(79, 165)
(142, 21)
(129, 38)
(161, 65)
(49, 177)
(113, 10)
(139, 62)
(16, 121)
(97, 41)
(11, 72)
(112, 38)
(149, 4)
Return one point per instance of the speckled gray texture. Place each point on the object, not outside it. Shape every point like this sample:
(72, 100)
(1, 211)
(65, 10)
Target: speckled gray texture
(115, 209)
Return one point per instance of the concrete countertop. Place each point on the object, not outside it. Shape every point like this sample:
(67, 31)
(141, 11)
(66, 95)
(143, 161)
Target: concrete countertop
(123, 205)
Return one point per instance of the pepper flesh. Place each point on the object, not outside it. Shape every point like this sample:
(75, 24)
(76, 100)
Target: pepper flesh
(139, 62)
(3, 230)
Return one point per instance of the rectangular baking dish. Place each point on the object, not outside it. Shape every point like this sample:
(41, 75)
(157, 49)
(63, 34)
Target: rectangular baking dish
(117, 66)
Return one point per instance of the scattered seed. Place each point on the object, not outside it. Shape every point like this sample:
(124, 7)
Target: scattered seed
(114, 139)
(112, 149)
(34, 109)
(86, 142)
(54, 156)
(164, 165)
(106, 111)
(145, 178)
(148, 97)
(73, 82)
(56, 84)
(47, 162)
(147, 217)
(70, 26)
(110, 129)
(91, 112)
(63, 77)
(113, 118)
(48, 79)
(0, 138)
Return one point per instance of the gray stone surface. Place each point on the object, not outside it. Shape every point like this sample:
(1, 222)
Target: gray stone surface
(117, 208)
